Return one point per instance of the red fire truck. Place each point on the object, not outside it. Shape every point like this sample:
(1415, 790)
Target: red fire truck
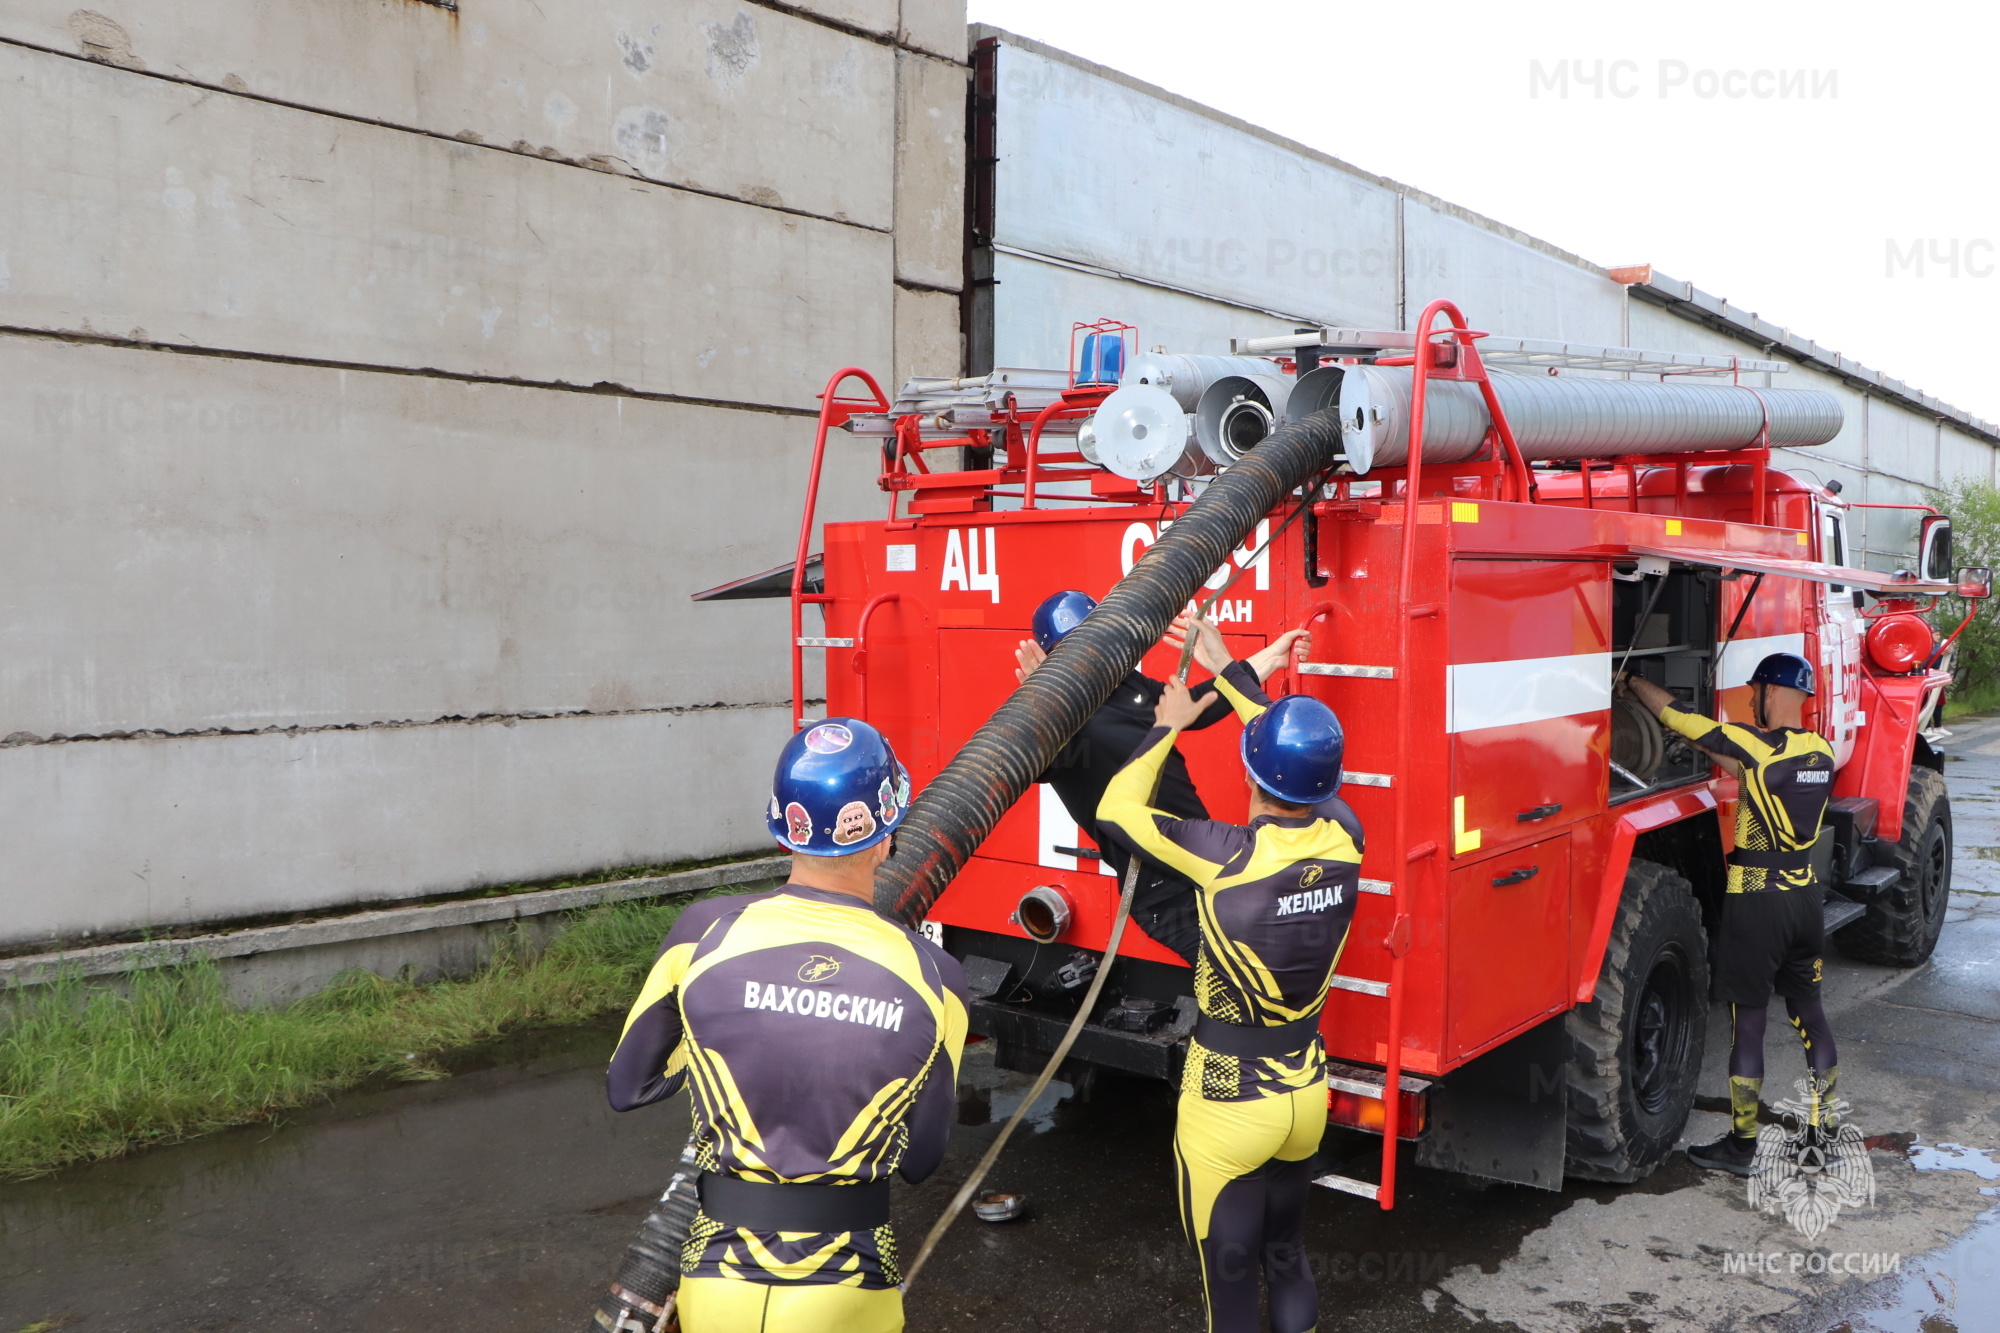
(1527, 966)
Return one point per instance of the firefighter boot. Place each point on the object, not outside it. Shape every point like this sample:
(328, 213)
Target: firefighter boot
(1735, 1151)
(1732, 1153)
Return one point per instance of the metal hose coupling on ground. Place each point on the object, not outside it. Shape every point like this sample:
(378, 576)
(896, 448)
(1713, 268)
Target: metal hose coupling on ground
(953, 814)
(642, 1295)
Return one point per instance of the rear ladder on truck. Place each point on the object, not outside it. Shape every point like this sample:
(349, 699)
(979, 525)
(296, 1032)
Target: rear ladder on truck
(1456, 357)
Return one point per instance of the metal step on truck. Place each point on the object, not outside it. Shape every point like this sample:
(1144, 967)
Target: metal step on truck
(1527, 968)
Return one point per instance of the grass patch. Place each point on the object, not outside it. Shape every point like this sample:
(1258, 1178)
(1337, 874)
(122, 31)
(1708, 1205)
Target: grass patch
(88, 1073)
(1978, 699)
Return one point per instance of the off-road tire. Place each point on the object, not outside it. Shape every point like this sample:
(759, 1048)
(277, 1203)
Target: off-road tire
(1901, 926)
(1635, 1050)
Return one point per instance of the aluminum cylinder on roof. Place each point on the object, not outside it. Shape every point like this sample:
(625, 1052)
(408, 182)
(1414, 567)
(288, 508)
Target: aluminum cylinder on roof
(1559, 417)
(1188, 377)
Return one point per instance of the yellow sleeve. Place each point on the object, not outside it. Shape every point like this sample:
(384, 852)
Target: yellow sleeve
(1243, 692)
(669, 970)
(1126, 807)
(951, 1032)
(1738, 743)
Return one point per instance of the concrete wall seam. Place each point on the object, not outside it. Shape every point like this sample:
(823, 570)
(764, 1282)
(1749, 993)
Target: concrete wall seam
(599, 162)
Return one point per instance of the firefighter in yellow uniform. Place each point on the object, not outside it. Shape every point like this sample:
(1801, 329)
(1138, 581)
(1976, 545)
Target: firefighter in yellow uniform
(1773, 931)
(820, 1043)
(1276, 899)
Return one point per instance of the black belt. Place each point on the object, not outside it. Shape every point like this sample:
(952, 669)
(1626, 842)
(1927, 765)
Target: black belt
(758, 1206)
(1752, 860)
(1251, 1043)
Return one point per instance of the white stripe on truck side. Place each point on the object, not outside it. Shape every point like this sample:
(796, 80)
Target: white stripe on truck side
(1530, 689)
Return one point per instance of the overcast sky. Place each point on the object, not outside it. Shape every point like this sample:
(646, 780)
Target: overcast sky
(1846, 135)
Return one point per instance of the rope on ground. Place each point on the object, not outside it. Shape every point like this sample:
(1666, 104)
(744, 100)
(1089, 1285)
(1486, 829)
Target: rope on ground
(965, 1191)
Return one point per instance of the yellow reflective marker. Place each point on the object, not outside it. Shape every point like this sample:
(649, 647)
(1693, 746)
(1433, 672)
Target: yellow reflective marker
(1461, 841)
(1673, 527)
(1462, 512)
(1802, 539)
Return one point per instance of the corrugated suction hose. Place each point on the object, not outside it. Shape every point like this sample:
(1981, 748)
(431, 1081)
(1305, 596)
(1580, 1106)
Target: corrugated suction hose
(953, 814)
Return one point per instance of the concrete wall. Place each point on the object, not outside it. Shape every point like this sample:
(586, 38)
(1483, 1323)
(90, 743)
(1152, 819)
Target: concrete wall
(385, 377)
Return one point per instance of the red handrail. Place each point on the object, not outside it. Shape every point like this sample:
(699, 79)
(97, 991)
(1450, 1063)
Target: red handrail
(833, 411)
(859, 662)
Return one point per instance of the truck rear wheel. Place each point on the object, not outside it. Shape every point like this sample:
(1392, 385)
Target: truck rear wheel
(1902, 925)
(1635, 1049)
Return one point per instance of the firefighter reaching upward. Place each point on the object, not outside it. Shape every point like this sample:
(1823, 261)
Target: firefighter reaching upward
(1276, 897)
(1163, 902)
(821, 1044)
(1772, 932)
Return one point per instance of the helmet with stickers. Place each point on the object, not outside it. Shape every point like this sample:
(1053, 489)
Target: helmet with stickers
(1786, 669)
(1059, 614)
(1293, 750)
(838, 789)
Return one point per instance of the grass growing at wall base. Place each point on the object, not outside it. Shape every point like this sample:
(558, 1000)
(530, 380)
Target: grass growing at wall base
(88, 1073)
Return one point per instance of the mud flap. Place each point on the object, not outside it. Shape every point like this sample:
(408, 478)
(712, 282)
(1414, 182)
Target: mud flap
(1504, 1116)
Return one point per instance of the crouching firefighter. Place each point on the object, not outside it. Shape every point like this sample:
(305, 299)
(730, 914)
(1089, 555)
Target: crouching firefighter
(1276, 899)
(820, 1042)
(1772, 933)
(1163, 901)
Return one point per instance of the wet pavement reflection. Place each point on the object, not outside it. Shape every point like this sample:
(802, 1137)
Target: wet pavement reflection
(501, 1197)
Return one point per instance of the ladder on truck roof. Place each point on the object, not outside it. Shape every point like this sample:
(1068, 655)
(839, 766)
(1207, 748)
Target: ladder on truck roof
(1454, 356)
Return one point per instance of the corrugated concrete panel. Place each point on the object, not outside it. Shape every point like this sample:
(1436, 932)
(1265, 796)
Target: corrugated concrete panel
(734, 99)
(117, 836)
(199, 542)
(937, 26)
(1096, 170)
(141, 208)
(928, 337)
(1502, 286)
(930, 171)
(1035, 303)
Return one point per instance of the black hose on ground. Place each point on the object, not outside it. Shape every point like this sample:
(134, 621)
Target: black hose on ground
(954, 813)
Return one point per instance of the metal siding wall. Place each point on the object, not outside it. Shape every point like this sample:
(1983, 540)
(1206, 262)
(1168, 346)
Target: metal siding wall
(1093, 171)
(1144, 184)
(1036, 303)
(1502, 286)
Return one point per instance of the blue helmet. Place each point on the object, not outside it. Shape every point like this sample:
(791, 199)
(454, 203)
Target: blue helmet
(1060, 614)
(838, 789)
(1293, 750)
(1786, 669)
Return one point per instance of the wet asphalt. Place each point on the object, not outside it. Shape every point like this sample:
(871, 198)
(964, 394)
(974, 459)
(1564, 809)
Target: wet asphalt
(500, 1198)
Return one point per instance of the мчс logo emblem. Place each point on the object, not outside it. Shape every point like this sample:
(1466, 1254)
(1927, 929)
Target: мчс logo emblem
(819, 967)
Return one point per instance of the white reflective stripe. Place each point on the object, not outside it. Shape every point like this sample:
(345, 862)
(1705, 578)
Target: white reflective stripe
(1529, 689)
(1381, 886)
(1349, 1185)
(1349, 777)
(1343, 669)
(1741, 657)
(1358, 985)
(811, 641)
(1054, 828)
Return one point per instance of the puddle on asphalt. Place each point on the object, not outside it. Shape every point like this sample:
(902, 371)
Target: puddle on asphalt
(1951, 1290)
(1954, 1157)
(988, 1095)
